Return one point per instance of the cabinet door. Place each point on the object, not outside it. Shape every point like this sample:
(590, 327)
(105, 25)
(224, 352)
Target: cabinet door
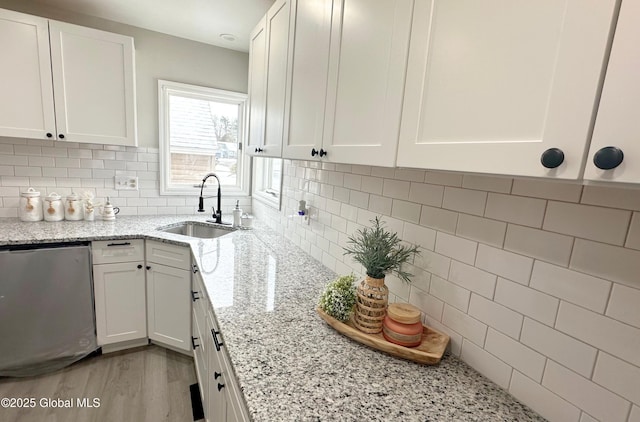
(120, 301)
(257, 85)
(367, 63)
(169, 306)
(198, 327)
(492, 85)
(308, 67)
(217, 410)
(94, 85)
(26, 109)
(617, 124)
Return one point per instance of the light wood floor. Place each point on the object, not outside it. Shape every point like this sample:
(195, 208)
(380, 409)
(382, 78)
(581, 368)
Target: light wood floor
(143, 384)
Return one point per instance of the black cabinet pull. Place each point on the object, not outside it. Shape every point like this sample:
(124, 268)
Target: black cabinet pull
(216, 375)
(314, 152)
(139, 266)
(218, 343)
(258, 150)
(49, 135)
(61, 136)
(552, 158)
(195, 268)
(119, 244)
(193, 342)
(220, 386)
(322, 152)
(148, 267)
(608, 158)
(193, 296)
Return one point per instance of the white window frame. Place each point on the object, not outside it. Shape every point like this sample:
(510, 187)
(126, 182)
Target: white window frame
(259, 191)
(167, 88)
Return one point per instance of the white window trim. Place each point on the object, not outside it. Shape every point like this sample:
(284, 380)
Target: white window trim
(165, 88)
(263, 196)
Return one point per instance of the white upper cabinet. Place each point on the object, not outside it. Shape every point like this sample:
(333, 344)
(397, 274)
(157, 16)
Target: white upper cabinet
(26, 109)
(491, 86)
(367, 64)
(308, 60)
(268, 79)
(94, 85)
(615, 146)
(88, 74)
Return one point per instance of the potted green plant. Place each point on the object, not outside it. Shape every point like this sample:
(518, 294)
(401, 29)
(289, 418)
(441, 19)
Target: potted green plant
(338, 298)
(380, 252)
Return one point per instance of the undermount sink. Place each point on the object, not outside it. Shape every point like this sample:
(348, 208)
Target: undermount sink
(199, 230)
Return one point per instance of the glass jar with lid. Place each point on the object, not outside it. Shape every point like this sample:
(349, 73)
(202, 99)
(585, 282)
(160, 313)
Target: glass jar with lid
(30, 207)
(53, 207)
(73, 207)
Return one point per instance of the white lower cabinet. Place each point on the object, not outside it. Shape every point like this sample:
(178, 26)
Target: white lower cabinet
(222, 398)
(169, 295)
(119, 291)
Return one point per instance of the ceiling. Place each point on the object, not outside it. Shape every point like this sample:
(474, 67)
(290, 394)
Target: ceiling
(198, 20)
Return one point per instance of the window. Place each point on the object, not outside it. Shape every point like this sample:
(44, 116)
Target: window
(201, 131)
(267, 180)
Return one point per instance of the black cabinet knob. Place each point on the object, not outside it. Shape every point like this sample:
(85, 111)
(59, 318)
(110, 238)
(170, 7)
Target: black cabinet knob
(314, 152)
(608, 158)
(61, 136)
(552, 158)
(322, 152)
(258, 150)
(216, 375)
(195, 268)
(49, 135)
(220, 386)
(139, 266)
(148, 267)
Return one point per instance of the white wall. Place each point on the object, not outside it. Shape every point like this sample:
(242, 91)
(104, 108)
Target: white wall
(537, 283)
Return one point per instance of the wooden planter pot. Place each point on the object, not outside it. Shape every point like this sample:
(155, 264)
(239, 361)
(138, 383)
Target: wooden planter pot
(371, 305)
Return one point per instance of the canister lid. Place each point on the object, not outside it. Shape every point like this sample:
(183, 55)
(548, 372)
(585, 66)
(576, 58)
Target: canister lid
(30, 193)
(73, 196)
(53, 197)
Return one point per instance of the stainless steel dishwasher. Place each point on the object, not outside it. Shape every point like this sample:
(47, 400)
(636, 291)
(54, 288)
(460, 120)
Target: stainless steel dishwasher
(46, 307)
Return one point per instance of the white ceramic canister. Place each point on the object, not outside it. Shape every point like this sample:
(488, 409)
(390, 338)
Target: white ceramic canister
(73, 207)
(53, 207)
(30, 206)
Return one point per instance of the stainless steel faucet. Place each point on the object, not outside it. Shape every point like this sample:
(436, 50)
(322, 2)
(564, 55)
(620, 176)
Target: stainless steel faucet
(217, 214)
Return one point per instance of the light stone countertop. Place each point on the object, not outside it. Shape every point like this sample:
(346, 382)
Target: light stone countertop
(289, 363)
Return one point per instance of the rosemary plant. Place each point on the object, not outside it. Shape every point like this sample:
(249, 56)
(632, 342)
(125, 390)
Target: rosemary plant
(380, 251)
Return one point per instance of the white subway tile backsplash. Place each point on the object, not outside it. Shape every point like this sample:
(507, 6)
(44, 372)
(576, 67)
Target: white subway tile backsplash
(618, 376)
(606, 261)
(28, 171)
(572, 286)
(516, 209)
(419, 235)
(6, 149)
(547, 246)
(341, 194)
(405, 210)
(585, 394)
(585, 417)
(36, 161)
(616, 338)
(14, 181)
(59, 172)
(481, 229)
(470, 328)
(633, 237)
(624, 305)
(455, 247)
(91, 164)
(14, 160)
(520, 357)
(380, 204)
(473, 279)
(6, 171)
(506, 264)
(547, 189)
(574, 354)
(487, 364)
(27, 150)
(351, 181)
(612, 196)
(83, 153)
(439, 219)
(450, 293)
(411, 175)
(397, 189)
(359, 169)
(527, 301)
(372, 185)
(495, 316)
(427, 194)
(588, 222)
(443, 178)
(547, 404)
(487, 183)
(68, 162)
(433, 262)
(99, 154)
(385, 172)
(428, 304)
(464, 200)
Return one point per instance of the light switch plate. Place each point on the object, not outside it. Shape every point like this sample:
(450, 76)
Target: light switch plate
(126, 182)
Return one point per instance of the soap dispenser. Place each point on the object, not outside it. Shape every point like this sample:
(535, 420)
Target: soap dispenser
(237, 215)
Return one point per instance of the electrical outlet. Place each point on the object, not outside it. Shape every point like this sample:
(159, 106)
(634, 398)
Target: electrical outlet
(126, 182)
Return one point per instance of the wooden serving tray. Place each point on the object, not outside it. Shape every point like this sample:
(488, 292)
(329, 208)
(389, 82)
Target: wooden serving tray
(429, 352)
